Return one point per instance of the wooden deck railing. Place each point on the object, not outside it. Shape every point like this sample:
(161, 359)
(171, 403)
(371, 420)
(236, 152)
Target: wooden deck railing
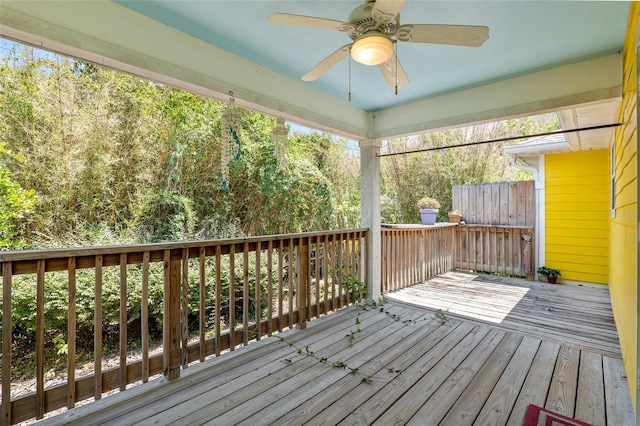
(216, 295)
(412, 254)
(496, 249)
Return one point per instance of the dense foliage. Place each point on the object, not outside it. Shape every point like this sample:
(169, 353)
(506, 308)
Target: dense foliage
(113, 158)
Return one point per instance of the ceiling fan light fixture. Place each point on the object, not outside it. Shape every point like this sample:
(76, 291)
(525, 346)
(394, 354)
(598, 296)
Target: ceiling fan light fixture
(372, 49)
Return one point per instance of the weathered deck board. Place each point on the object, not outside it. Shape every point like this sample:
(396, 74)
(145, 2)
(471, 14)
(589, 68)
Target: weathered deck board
(590, 405)
(537, 309)
(535, 387)
(562, 392)
(464, 372)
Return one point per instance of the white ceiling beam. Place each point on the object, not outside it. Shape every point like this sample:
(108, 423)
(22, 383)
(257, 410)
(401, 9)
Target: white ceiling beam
(548, 90)
(109, 34)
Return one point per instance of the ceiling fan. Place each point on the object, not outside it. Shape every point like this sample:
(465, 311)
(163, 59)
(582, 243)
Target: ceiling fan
(374, 27)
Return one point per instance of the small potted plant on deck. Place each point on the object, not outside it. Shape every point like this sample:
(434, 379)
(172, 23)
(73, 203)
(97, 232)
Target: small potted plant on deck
(428, 210)
(551, 274)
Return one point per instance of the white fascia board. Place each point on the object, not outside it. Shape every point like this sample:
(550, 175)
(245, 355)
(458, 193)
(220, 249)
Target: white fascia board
(542, 91)
(538, 148)
(111, 35)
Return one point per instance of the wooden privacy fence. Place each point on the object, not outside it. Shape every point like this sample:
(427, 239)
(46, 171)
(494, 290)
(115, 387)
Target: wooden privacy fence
(502, 203)
(414, 254)
(214, 295)
(496, 249)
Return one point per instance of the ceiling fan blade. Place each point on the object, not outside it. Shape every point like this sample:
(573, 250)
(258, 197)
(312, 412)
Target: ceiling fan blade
(393, 72)
(456, 35)
(327, 63)
(385, 11)
(307, 21)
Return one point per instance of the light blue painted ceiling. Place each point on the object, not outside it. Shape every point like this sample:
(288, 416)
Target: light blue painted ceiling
(524, 37)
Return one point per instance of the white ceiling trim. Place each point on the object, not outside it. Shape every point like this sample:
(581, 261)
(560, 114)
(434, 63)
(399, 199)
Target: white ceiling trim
(544, 91)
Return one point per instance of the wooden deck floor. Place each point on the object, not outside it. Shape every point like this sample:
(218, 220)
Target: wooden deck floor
(491, 359)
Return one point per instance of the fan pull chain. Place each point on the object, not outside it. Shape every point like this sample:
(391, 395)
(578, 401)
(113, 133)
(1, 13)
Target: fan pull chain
(349, 76)
(396, 46)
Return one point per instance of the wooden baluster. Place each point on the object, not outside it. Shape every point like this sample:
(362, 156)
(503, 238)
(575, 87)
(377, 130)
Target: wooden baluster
(354, 255)
(291, 280)
(400, 259)
(144, 323)
(334, 273)
(245, 294)
(71, 335)
(365, 259)
(123, 321)
(325, 274)
(410, 257)
(171, 317)
(280, 283)
(404, 258)
(203, 295)
(97, 330)
(40, 268)
(397, 256)
(425, 255)
(269, 286)
(317, 274)
(383, 257)
(7, 272)
(307, 275)
(346, 267)
(509, 250)
(418, 255)
(218, 299)
(302, 263)
(184, 308)
(258, 302)
(232, 297)
(340, 271)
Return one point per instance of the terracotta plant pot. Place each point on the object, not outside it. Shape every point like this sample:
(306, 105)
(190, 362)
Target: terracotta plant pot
(455, 217)
(552, 279)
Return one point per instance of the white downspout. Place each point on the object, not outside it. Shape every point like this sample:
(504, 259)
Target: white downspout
(538, 178)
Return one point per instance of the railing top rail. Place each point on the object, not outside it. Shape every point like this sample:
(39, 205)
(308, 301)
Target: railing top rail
(402, 226)
(22, 255)
(479, 225)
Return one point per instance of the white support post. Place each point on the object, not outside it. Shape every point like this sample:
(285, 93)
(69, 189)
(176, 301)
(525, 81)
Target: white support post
(370, 211)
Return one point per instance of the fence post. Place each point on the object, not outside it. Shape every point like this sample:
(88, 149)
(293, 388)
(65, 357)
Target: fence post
(172, 354)
(303, 282)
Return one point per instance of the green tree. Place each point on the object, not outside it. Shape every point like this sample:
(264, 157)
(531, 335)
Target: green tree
(15, 203)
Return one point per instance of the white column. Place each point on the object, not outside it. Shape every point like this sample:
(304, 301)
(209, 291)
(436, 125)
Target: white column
(370, 211)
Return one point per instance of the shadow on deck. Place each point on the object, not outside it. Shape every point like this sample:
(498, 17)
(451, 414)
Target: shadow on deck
(506, 344)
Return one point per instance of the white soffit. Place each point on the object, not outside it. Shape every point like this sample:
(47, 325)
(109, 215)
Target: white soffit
(589, 115)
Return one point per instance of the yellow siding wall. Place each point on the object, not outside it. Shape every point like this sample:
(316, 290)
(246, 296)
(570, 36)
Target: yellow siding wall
(623, 228)
(577, 186)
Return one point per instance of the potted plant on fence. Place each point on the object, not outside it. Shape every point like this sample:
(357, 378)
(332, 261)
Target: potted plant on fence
(455, 216)
(428, 210)
(551, 274)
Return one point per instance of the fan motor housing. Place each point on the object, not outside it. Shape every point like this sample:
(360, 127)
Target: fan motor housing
(363, 20)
